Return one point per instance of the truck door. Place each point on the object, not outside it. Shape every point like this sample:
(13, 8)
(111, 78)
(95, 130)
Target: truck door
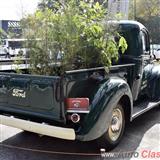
(144, 61)
(145, 57)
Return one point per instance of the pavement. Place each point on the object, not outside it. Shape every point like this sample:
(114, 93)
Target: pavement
(141, 139)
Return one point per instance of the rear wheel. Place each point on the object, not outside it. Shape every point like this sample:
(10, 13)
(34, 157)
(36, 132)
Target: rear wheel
(115, 130)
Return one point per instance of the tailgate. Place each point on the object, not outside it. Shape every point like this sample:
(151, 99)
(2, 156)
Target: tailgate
(31, 96)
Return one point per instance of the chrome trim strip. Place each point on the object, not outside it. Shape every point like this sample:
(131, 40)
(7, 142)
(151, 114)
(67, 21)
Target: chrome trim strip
(77, 111)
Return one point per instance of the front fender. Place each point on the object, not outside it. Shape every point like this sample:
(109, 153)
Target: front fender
(151, 77)
(106, 98)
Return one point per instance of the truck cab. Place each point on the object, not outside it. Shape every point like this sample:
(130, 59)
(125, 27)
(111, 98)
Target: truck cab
(86, 104)
(145, 78)
(138, 53)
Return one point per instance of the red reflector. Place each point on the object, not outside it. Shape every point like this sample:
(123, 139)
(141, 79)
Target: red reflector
(77, 104)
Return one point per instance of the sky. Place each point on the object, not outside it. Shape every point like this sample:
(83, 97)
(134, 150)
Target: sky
(16, 9)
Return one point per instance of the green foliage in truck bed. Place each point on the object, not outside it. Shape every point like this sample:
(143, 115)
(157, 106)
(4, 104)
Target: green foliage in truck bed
(73, 36)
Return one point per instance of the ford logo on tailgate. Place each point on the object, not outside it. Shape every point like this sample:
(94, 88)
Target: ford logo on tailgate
(19, 93)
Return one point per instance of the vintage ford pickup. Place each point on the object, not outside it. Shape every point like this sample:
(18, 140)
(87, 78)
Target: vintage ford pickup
(86, 104)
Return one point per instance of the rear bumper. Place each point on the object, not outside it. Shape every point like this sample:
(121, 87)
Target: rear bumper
(44, 129)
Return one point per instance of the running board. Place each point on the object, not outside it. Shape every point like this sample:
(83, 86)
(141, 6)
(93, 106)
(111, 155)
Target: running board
(144, 107)
(44, 129)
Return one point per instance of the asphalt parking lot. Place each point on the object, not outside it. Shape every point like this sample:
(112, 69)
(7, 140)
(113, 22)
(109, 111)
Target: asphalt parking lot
(141, 135)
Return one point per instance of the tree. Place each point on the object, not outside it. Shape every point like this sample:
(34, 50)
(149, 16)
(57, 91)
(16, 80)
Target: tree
(147, 8)
(3, 35)
(153, 25)
(54, 4)
(50, 4)
(73, 34)
(147, 12)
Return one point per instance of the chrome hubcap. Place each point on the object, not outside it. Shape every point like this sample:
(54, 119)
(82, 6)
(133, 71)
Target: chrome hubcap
(115, 127)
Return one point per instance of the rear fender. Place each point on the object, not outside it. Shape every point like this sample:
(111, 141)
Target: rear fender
(106, 98)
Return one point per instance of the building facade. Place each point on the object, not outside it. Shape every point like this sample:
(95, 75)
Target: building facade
(11, 27)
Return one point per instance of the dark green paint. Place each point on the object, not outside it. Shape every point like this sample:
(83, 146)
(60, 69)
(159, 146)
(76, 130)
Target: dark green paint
(106, 98)
(40, 96)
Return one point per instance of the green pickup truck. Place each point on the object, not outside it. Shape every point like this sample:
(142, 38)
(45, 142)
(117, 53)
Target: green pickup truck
(86, 104)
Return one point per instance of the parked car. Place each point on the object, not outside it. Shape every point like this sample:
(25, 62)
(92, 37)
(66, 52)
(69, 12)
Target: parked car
(157, 54)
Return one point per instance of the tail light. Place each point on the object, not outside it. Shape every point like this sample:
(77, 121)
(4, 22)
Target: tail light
(77, 105)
